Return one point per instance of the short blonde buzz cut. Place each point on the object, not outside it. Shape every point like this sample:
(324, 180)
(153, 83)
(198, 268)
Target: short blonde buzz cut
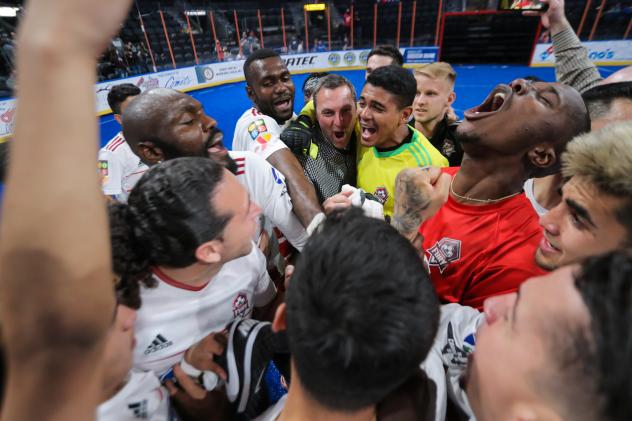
(437, 70)
(604, 159)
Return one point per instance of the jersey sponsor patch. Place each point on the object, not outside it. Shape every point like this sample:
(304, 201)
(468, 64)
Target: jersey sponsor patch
(381, 193)
(241, 307)
(455, 354)
(444, 252)
(158, 344)
(256, 128)
(103, 168)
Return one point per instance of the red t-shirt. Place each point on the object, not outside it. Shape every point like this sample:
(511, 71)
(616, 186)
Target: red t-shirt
(475, 252)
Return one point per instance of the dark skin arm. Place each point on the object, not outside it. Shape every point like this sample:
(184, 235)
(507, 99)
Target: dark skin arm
(301, 190)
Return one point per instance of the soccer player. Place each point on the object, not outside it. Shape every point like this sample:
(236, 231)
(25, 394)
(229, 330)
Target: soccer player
(607, 104)
(185, 239)
(269, 86)
(389, 144)
(163, 124)
(559, 334)
(59, 246)
(359, 320)
(383, 55)
(330, 160)
(594, 214)
(435, 95)
(120, 168)
(481, 243)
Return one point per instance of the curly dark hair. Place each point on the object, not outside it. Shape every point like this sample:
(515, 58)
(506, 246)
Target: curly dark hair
(168, 215)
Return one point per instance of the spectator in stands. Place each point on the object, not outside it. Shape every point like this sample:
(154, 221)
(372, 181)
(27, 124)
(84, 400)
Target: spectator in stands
(320, 46)
(119, 166)
(339, 300)
(594, 214)
(250, 43)
(434, 98)
(296, 45)
(271, 90)
(383, 55)
(310, 84)
(607, 103)
(561, 336)
(481, 243)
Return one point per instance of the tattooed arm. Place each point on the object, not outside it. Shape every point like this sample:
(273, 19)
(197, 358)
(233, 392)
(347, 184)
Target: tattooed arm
(419, 194)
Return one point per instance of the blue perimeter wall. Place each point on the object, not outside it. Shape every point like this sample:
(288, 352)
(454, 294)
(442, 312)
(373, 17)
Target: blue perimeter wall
(226, 103)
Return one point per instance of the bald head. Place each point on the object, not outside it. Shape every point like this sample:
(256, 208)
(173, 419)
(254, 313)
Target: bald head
(147, 115)
(163, 124)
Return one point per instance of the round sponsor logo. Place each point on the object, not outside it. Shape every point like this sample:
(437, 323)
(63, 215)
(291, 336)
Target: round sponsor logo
(349, 58)
(364, 56)
(208, 73)
(334, 59)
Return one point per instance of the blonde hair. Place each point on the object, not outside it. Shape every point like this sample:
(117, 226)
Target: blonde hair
(437, 70)
(604, 158)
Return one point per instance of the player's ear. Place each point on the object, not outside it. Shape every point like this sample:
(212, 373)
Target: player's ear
(210, 252)
(406, 112)
(543, 156)
(278, 323)
(251, 93)
(149, 153)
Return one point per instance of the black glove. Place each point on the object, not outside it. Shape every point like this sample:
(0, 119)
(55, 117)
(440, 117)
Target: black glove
(298, 135)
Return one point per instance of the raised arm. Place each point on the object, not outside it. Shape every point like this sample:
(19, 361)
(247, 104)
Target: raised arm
(55, 278)
(301, 190)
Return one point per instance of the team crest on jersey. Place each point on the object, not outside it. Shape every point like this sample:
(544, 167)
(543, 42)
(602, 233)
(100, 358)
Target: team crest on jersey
(382, 194)
(444, 252)
(241, 308)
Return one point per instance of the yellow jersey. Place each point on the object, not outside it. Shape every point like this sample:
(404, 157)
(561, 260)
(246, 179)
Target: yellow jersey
(377, 169)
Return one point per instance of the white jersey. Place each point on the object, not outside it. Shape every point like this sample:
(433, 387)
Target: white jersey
(258, 133)
(142, 398)
(266, 187)
(455, 341)
(174, 316)
(528, 191)
(120, 168)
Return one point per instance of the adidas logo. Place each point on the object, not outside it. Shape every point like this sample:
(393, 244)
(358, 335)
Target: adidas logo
(159, 343)
(139, 409)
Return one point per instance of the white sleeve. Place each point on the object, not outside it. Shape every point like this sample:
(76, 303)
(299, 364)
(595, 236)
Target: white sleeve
(111, 170)
(265, 291)
(258, 133)
(455, 341)
(267, 188)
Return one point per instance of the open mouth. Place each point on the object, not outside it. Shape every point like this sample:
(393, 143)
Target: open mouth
(547, 248)
(339, 134)
(494, 102)
(283, 104)
(215, 143)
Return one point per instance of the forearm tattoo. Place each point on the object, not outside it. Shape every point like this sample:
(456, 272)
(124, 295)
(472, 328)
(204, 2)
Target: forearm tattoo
(410, 202)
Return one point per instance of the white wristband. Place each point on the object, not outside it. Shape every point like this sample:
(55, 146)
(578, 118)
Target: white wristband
(189, 370)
